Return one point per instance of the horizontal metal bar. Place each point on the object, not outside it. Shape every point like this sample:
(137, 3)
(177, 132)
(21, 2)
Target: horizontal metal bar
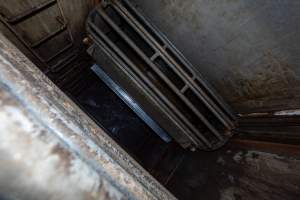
(49, 36)
(70, 74)
(30, 12)
(62, 63)
(60, 52)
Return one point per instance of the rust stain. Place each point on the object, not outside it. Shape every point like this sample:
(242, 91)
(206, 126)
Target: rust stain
(64, 156)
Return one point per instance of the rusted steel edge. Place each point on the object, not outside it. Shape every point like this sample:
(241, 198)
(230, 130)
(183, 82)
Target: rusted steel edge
(65, 121)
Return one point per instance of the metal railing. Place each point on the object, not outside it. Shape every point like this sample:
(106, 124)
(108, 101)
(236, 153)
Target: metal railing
(165, 75)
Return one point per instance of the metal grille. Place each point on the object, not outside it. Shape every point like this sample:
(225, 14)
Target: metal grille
(164, 75)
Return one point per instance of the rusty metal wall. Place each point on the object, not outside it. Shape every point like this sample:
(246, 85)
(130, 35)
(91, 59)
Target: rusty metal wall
(50, 149)
(248, 50)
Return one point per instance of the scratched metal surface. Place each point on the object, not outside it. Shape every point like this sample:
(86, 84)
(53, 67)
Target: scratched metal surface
(248, 50)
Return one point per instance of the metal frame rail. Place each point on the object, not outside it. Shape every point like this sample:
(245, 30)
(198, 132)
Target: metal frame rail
(165, 75)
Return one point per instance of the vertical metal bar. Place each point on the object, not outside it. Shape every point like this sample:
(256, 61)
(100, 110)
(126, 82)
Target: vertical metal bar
(65, 20)
(59, 52)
